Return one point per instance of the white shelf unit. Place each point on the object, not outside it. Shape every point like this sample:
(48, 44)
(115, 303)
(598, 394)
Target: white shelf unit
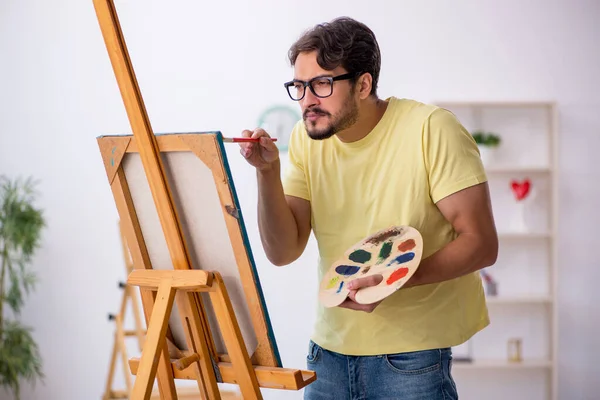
(525, 303)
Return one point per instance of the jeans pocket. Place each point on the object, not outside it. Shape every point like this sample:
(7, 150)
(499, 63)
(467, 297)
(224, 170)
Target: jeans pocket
(314, 352)
(414, 363)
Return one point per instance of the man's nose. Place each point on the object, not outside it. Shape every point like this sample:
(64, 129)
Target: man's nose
(310, 99)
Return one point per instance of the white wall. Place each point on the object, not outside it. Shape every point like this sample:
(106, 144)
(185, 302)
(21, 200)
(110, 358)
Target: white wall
(217, 65)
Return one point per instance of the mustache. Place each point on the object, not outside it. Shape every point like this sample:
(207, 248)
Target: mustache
(314, 110)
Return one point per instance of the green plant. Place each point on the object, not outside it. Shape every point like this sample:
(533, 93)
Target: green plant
(21, 225)
(486, 138)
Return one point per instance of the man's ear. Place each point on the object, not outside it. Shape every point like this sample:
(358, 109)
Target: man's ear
(365, 82)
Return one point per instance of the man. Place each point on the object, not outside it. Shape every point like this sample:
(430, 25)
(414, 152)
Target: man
(358, 164)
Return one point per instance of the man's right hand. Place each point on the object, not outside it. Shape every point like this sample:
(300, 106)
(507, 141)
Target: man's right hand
(262, 154)
(283, 221)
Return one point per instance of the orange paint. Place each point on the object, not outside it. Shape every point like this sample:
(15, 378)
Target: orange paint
(407, 245)
(397, 275)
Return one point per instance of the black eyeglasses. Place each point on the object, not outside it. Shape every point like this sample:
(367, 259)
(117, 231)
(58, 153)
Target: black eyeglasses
(321, 86)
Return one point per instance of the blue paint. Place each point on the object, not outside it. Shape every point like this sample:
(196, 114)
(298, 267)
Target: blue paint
(112, 160)
(340, 288)
(347, 270)
(402, 258)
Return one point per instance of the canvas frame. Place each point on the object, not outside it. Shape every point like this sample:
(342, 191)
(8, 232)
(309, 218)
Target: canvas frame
(209, 149)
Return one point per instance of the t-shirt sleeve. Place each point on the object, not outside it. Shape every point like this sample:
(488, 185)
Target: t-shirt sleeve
(295, 180)
(451, 155)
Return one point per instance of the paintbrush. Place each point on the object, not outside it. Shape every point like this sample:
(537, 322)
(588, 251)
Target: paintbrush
(244, 140)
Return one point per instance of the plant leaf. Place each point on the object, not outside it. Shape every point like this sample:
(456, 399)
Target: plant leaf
(21, 224)
(19, 356)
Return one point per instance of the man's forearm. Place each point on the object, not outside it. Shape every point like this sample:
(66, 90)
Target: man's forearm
(467, 253)
(276, 222)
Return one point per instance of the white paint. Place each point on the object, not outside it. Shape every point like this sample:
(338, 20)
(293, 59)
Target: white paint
(217, 65)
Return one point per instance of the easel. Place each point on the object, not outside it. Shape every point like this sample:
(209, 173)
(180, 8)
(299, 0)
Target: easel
(182, 284)
(121, 333)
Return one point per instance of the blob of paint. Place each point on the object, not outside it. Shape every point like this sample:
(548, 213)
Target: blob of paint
(366, 269)
(360, 256)
(396, 275)
(385, 251)
(340, 288)
(402, 258)
(333, 282)
(380, 237)
(407, 245)
(346, 270)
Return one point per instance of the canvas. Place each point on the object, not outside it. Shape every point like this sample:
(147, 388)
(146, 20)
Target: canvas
(202, 185)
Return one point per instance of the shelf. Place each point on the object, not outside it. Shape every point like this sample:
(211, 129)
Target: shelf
(493, 104)
(518, 300)
(500, 364)
(524, 235)
(528, 308)
(517, 170)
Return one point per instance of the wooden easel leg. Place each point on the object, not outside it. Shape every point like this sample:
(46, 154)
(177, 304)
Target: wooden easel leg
(207, 383)
(139, 330)
(111, 372)
(155, 341)
(119, 346)
(166, 382)
(120, 337)
(244, 371)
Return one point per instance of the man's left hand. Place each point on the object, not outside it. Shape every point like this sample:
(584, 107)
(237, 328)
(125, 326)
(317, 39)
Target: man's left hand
(354, 285)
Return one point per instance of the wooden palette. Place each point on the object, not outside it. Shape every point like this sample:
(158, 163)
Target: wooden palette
(394, 252)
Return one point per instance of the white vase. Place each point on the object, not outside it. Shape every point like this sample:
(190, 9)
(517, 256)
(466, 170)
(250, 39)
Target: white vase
(519, 223)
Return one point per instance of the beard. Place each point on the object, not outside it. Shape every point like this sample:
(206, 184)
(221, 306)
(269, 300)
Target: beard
(344, 119)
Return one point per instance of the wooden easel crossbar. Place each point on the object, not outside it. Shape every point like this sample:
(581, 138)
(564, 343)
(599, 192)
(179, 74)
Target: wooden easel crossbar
(221, 327)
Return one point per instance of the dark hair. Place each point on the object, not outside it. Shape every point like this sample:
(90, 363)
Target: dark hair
(343, 41)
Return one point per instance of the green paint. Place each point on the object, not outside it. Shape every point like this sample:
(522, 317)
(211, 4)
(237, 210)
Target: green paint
(360, 256)
(385, 251)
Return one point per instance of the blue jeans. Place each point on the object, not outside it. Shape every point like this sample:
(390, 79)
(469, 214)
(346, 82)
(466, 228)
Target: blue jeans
(420, 375)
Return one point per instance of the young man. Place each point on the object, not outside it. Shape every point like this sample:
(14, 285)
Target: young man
(358, 164)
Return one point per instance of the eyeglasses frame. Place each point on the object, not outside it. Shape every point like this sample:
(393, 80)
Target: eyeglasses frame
(349, 75)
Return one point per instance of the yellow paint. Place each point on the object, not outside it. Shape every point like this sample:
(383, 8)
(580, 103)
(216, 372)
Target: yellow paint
(333, 282)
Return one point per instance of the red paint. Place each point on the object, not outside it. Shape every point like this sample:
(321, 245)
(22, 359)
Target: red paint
(521, 189)
(407, 245)
(396, 275)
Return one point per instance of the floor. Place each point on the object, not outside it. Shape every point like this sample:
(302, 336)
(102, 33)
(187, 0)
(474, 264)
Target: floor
(192, 393)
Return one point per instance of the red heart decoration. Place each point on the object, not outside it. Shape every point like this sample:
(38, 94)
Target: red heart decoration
(520, 189)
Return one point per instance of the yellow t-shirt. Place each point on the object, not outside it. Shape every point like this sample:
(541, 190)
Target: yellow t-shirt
(415, 156)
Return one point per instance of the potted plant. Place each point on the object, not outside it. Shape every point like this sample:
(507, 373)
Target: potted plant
(487, 142)
(21, 225)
